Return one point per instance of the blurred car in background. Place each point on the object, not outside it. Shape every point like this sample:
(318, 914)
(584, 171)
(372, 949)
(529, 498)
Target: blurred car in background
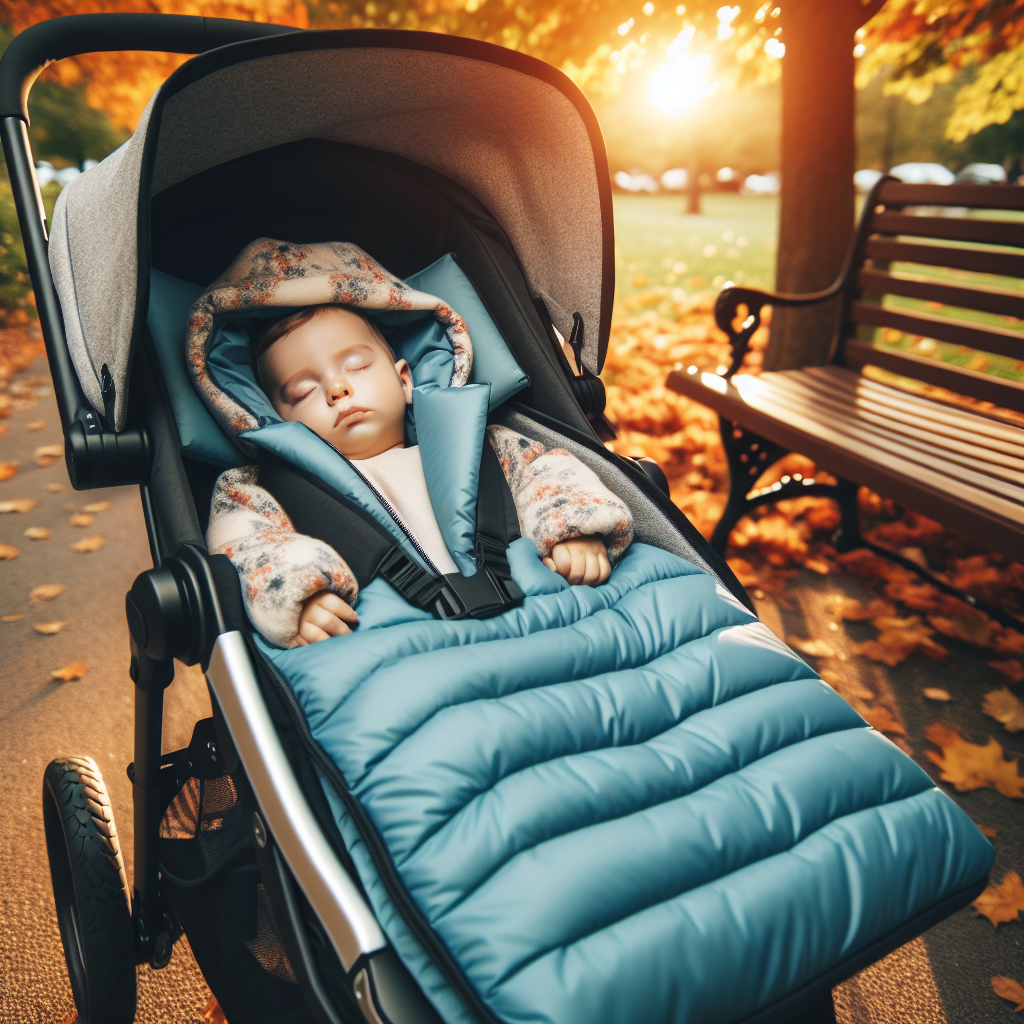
(762, 184)
(981, 174)
(923, 174)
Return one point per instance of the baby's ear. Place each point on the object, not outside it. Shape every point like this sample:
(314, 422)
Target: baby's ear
(403, 371)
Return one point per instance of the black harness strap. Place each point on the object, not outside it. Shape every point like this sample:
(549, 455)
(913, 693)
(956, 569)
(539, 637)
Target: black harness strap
(317, 509)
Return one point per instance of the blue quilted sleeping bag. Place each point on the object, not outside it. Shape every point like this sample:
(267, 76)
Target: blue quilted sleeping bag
(622, 803)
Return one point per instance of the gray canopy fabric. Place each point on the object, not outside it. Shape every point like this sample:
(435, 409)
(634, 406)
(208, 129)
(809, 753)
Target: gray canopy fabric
(514, 140)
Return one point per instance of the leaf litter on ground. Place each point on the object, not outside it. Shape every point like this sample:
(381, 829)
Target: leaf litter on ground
(81, 519)
(45, 592)
(1007, 988)
(967, 766)
(11, 618)
(96, 506)
(69, 673)
(93, 543)
(1001, 903)
(8, 469)
(8, 551)
(35, 425)
(936, 693)
(48, 454)
(49, 628)
(1006, 708)
(18, 505)
(37, 533)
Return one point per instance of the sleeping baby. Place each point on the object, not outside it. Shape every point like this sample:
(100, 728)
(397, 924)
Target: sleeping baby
(329, 367)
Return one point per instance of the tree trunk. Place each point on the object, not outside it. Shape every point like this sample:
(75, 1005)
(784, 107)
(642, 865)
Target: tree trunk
(817, 172)
(693, 182)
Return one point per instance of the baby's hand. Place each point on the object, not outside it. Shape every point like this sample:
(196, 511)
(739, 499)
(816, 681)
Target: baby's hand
(324, 615)
(584, 560)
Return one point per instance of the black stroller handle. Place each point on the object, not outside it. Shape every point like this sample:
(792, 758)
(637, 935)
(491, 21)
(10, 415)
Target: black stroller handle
(48, 41)
(95, 455)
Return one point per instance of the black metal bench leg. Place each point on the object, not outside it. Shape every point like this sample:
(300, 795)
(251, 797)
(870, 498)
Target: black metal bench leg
(848, 536)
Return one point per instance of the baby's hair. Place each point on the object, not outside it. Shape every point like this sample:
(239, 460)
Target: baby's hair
(277, 329)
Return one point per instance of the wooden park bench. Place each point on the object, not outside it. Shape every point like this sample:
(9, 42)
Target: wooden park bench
(929, 267)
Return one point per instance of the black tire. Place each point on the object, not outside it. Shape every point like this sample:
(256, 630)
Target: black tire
(90, 890)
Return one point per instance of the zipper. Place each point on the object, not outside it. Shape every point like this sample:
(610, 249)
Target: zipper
(389, 509)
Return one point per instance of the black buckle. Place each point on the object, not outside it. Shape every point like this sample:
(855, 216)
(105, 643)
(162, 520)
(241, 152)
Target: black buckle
(489, 592)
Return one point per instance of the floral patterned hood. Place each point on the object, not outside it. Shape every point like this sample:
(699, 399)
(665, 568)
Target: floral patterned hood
(269, 278)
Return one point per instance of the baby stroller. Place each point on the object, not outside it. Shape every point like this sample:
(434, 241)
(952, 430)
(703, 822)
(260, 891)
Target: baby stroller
(629, 803)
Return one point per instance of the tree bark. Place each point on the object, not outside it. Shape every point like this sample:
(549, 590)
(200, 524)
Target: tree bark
(818, 152)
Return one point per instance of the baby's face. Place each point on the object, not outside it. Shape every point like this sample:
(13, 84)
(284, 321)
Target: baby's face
(335, 375)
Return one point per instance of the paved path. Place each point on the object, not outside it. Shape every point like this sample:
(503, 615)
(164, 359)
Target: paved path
(43, 719)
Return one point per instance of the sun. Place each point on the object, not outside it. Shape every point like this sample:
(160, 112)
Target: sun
(680, 84)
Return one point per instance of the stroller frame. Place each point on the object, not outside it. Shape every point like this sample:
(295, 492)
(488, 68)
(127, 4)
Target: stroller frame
(189, 605)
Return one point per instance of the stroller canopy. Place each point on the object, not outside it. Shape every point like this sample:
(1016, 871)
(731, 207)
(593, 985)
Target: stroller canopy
(511, 130)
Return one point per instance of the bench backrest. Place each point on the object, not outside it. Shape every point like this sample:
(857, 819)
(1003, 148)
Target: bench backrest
(940, 269)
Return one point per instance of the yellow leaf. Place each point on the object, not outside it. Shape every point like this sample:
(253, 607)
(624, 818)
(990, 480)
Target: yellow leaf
(97, 506)
(54, 487)
(8, 469)
(815, 648)
(1007, 988)
(35, 425)
(48, 454)
(935, 693)
(69, 672)
(80, 519)
(1005, 707)
(968, 766)
(37, 533)
(45, 592)
(1003, 902)
(11, 618)
(18, 505)
(93, 543)
(8, 551)
(881, 718)
(49, 628)
(986, 831)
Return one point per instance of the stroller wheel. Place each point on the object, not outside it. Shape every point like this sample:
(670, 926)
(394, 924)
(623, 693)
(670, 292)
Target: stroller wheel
(90, 890)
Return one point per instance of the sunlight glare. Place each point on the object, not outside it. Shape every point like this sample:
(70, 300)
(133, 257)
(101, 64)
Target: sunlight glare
(775, 48)
(680, 84)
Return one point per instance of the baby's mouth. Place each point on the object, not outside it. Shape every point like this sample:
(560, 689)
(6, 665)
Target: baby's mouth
(350, 416)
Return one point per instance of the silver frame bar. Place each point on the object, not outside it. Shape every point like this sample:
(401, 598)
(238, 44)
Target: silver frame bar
(348, 921)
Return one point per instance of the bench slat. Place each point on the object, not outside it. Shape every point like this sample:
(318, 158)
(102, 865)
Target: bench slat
(907, 482)
(985, 197)
(1004, 264)
(858, 418)
(936, 494)
(994, 434)
(960, 229)
(958, 332)
(914, 286)
(988, 388)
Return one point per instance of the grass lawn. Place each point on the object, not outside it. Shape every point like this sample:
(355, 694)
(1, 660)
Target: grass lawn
(658, 243)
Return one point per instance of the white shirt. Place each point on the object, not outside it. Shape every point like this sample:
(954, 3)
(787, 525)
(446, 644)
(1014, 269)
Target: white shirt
(398, 475)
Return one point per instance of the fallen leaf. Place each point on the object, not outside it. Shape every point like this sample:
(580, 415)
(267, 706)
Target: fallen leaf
(35, 425)
(1007, 988)
(45, 592)
(54, 487)
(37, 533)
(80, 519)
(1006, 708)
(97, 506)
(3, 429)
(968, 766)
(966, 624)
(856, 611)
(1001, 903)
(49, 628)
(899, 638)
(213, 1013)
(815, 648)
(8, 551)
(1011, 669)
(986, 831)
(1009, 641)
(48, 454)
(935, 693)
(18, 505)
(847, 687)
(93, 543)
(881, 718)
(818, 565)
(11, 618)
(8, 469)
(69, 672)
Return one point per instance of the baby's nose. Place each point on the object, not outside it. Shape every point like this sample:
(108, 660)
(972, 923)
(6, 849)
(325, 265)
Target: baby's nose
(338, 392)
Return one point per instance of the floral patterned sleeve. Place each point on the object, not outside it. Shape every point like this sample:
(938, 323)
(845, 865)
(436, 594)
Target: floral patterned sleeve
(279, 569)
(557, 497)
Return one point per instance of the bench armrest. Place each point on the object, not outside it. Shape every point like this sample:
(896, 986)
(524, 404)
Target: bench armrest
(730, 299)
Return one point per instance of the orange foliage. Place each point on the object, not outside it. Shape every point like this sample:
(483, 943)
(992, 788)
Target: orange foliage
(121, 83)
